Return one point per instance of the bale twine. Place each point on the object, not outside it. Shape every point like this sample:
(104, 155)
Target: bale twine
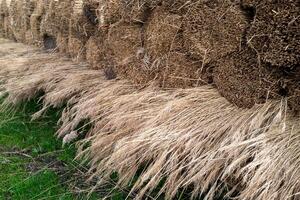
(213, 29)
(274, 33)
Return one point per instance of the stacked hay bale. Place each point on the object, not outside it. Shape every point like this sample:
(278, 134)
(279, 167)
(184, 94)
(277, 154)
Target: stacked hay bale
(83, 25)
(19, 14)
(63, 11)
(27, 10)
(176, 43)
(2, 17)
(266, 64)
(15, 14)
(248, 50)
(49, 28)
(189, 43)
(5, 17)
(34, 36)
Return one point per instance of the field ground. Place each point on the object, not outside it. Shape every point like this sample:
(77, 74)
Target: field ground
(33, 164)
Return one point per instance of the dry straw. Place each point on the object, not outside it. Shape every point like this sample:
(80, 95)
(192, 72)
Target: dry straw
(190, 138)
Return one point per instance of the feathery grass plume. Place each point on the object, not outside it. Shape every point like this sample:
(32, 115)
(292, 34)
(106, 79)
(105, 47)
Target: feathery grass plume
(185, 138)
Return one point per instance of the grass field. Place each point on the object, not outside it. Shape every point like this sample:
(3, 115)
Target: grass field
(33, 164)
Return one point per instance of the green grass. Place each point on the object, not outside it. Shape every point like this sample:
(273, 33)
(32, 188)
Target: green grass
(33, 164)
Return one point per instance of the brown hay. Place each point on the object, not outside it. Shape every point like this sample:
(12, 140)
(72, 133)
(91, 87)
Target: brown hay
(48, 23)
(76, 48)
(62, 43)
(113, 11)
(124, 40)
(63, 13)
(245, 81)
(164, 46)
(222, 26)
(164, 43)
(274, 32)
(188, 137)
(259, 84)
(96, 52)
(82, 27)
(35, 22)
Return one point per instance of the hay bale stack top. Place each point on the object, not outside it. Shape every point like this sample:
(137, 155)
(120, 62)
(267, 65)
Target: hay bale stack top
(248, 49)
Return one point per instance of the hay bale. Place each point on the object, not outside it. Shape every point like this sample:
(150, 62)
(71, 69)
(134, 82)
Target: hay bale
(83, 19)
(35, 21)
(242, 79)
(6, 20)
(15, 9)
(97, 53)
(48, 23)
(136, 11)
(83, 25)
(20, 13)
(274, 33)
(62, 43)
(63, 11)
(162, 33)
(164, 45)
(124, 40)
(129, 11)
(29, 39)
(76, 48)
(213, 29)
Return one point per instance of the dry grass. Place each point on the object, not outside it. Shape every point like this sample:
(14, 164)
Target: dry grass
(186, 137)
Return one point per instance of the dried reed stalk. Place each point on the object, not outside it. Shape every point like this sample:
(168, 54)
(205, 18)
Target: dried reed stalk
(186, 137)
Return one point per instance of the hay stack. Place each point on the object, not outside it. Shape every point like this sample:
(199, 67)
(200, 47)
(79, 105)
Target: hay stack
(48, 23)
(97, 53)
(259, 84)
(2, 17)
(83, 24)
(63, 11)
(164, 46)
(35, 23)
(213, 29)
(27, 10)
(8, 32)
(274, 32)
(14, 19)
(20, 13)
(124, 41)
